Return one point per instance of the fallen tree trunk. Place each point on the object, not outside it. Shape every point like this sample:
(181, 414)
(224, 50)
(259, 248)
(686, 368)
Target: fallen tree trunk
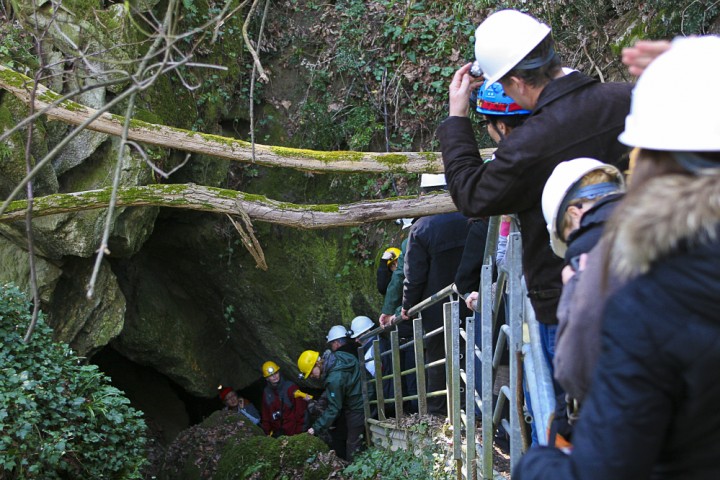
(232, 202)
(222, 147)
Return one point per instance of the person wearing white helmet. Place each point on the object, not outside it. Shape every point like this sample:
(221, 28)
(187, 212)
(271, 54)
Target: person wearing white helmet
(570, 204)
(358, 326)
(572, 116)
(651, 409)
(337, 339)
(577, 200)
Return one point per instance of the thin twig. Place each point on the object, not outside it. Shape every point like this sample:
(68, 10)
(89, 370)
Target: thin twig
(248, 44)
(252, 84)
(103, 248)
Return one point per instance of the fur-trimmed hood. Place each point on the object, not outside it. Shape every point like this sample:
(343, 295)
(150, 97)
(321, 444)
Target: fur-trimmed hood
(667, 213)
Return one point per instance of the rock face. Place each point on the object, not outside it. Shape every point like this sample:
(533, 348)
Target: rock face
(177, 292)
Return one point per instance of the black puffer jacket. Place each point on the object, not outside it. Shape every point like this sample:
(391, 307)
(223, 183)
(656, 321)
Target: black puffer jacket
(576, 116)
(467, 278)
(652, 408)
(434, 249)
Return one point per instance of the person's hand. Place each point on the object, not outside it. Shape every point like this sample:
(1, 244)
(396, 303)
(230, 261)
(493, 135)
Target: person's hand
(471, 301)
(639, 56)
(403, 314)
(569, 272)
(385, 320)
(461, 86)
(311, 431)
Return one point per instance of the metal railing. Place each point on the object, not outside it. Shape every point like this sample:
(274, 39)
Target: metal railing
(519, 335)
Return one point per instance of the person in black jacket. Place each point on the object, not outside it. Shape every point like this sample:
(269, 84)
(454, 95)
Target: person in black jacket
(651, 409)
(503, 115)
(434, 249)
(572, 116)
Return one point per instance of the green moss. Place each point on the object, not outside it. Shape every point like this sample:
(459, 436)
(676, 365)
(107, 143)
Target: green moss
(258, 456)
(148, 117)
(49, 96)
(231, 142)
(392, 160)
(264, 457)
(326, 157)
(14, 79)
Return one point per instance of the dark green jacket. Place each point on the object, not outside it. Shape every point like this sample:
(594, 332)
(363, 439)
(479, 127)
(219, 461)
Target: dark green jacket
(344, 392)
(394, 293)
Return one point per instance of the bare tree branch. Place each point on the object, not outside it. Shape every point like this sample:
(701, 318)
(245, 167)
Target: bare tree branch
(232, 202)
(224, 147)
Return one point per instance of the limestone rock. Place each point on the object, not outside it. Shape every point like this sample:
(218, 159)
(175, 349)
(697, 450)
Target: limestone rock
(15, 268)
(87, 324)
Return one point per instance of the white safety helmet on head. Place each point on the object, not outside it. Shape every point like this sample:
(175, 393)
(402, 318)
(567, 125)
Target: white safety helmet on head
(360, 325)
(563, 182)
(432, 180)
(404, 222)
(690, 63)
(336, 332)
(504, 39)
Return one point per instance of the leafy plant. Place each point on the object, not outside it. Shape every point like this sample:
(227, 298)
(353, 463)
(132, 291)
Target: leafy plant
(382, 463)
(59, 418)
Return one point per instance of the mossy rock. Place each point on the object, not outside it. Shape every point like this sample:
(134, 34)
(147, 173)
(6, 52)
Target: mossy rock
(267, 458)
(259, 455)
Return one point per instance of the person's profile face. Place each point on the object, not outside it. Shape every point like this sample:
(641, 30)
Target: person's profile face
(315, 372)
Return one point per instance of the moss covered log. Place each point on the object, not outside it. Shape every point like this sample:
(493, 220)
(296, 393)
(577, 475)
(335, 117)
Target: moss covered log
(222, 147)
(218, 200)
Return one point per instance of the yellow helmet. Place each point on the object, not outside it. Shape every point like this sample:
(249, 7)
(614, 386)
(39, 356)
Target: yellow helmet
(270, 368)
(391, 254)
(307, 361)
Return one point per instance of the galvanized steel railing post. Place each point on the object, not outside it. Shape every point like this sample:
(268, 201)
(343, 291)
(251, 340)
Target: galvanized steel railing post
(538, 378)
(378, 379)
(488, 428)
(448, 338)
(397, 375)
(470, 395)
(452, 312)
(366, 397)
(420, 366)
(516, 304)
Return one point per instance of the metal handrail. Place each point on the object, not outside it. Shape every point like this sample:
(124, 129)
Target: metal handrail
(526, 361)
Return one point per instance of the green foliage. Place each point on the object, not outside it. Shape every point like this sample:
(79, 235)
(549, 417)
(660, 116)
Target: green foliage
(59, 418)
(16, 46)
(376, 463)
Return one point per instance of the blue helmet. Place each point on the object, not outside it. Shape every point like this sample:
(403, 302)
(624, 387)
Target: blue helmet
(491, 99)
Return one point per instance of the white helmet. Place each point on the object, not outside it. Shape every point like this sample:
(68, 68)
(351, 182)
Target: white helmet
(360, 325)
(336, 332)
(406, 222)
(690, 63)
(504, 39)
(563, 179)
(432, 180)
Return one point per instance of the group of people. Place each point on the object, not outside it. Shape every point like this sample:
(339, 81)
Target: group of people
(341, 421)
(617, 197)
(616, 190)
(284, 405)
